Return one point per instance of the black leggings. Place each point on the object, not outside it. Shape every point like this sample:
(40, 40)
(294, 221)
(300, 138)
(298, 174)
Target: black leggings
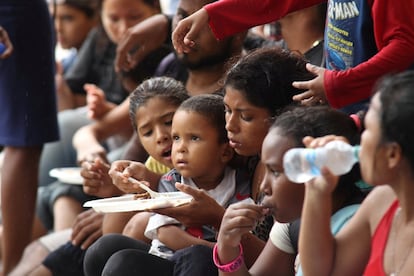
(115, 254)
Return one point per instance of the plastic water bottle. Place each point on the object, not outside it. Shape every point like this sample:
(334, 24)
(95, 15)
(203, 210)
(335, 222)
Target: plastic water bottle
(303, 164)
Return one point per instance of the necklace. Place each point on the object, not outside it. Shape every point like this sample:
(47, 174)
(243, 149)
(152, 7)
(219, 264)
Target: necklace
(404, 260)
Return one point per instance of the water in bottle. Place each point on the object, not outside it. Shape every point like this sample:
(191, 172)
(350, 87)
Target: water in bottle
(303, 164)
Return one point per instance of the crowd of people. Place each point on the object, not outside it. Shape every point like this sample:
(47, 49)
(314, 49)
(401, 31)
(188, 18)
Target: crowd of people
(193, 96)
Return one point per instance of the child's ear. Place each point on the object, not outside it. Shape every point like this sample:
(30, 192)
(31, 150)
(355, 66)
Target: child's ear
(227, 153)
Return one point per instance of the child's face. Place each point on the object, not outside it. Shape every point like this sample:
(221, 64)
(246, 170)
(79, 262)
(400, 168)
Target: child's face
(119, 15)
(283, 197)
(196, 151)
(72, 26)
(154, 128)
(246, 124)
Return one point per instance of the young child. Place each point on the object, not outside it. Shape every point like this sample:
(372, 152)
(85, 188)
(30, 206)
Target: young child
(283, 199)
(200, 155)
(364, 40)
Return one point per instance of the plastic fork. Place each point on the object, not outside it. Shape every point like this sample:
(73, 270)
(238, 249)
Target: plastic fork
(152, 193)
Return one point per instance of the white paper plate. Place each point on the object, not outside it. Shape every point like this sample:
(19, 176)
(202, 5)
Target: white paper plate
(127, 203)
(67, 175)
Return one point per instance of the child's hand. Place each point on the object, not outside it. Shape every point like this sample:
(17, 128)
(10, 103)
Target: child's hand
(315, 89)
(239, 219)
(96, 180)
(123, 169)
(202, 210)
(96, 101)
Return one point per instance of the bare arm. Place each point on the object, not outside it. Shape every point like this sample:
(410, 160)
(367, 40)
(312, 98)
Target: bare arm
(139, 41)
(87, 139)
(175, 238)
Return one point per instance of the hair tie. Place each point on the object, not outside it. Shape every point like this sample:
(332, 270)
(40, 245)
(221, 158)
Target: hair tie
(356, 120)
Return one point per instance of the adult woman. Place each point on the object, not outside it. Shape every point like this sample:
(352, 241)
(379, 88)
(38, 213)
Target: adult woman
(379, 238)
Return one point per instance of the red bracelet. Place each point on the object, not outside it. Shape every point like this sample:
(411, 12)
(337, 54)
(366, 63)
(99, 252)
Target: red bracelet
(233, 265)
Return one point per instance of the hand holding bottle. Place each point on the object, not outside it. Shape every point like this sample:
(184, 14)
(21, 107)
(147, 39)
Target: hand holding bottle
(304, 164)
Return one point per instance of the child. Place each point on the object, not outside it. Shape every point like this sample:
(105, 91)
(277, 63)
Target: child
(73, 19)
(379, 239)
(200, 154)
(283, 199)
(364, 40)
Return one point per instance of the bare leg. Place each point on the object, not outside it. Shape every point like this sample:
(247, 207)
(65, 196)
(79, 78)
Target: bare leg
(135, 227)
(18, 197)
(65, 210)
(32, 258)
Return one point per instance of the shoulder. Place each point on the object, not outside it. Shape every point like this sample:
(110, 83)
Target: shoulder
(168, 180)
(376, 204)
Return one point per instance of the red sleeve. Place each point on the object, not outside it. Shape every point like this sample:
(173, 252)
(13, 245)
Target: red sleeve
(227, 17)
(394, 37)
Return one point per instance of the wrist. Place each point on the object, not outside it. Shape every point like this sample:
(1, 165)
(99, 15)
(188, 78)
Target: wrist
(232, 266)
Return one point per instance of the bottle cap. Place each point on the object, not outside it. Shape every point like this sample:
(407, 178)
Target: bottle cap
(2, 48)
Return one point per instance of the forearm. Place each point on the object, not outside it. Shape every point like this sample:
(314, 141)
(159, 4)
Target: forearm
(175, 238)
(316, 243)
(232, 16)
(393, 28)
(252, 247)
(86, 143)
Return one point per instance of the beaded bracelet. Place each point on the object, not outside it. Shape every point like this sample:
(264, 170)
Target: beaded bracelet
(229, 267)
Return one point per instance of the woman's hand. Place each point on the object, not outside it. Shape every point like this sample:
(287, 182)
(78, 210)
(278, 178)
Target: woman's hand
(326, 183)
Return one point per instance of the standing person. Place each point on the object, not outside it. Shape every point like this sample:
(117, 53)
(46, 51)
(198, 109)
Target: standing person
(364, 40)
(28, 117)
(379, 239)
